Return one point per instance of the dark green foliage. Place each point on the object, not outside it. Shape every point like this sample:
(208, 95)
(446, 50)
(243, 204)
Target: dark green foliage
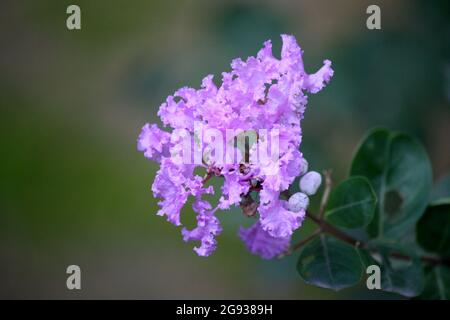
(329, 263)
(398, 168)
(433, 229)
(386, 196)
(351, 204)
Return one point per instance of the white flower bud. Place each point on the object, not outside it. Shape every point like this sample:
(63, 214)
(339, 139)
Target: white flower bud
(304, 167)
(310, 182)
(298, 201)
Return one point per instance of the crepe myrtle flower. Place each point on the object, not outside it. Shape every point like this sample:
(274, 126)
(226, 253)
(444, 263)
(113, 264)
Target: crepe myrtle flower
(261, 95)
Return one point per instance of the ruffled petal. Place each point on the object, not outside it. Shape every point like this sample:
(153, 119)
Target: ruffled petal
(153, 142)
(208, 227)
(260, 242)
(278, 221)
(317, 81)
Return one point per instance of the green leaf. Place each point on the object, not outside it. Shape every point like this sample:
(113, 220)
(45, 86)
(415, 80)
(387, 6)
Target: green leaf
(351, 204)
(329, 263)
(399, 171)
(401, 269)
(437, 283)
(433, 229)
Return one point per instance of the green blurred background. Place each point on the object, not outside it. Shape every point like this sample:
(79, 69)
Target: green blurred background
(73, 188)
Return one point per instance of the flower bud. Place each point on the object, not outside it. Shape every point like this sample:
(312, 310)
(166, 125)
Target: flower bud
(304, 167)
(310, 182)
(298, 201)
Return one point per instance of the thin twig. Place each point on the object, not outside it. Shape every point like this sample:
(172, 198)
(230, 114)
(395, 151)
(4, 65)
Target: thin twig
(328, 228)
(299, 244)
(207, 177)
(326, 193)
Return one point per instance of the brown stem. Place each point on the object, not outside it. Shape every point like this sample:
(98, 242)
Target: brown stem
(326, 227)
(207, 177)
(299, 244)
(427, 259)
(326, 193)
(209, 174)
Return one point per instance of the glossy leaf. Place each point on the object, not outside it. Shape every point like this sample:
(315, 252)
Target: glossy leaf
(329, 263)
(399, 171)
(401, 270)
(351, 204)
(437, 287)
(433, 229)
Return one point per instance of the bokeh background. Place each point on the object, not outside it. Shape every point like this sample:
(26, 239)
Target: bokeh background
(73, 188)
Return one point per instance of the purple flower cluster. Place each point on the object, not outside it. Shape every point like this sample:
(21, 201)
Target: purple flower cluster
(262, 92)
